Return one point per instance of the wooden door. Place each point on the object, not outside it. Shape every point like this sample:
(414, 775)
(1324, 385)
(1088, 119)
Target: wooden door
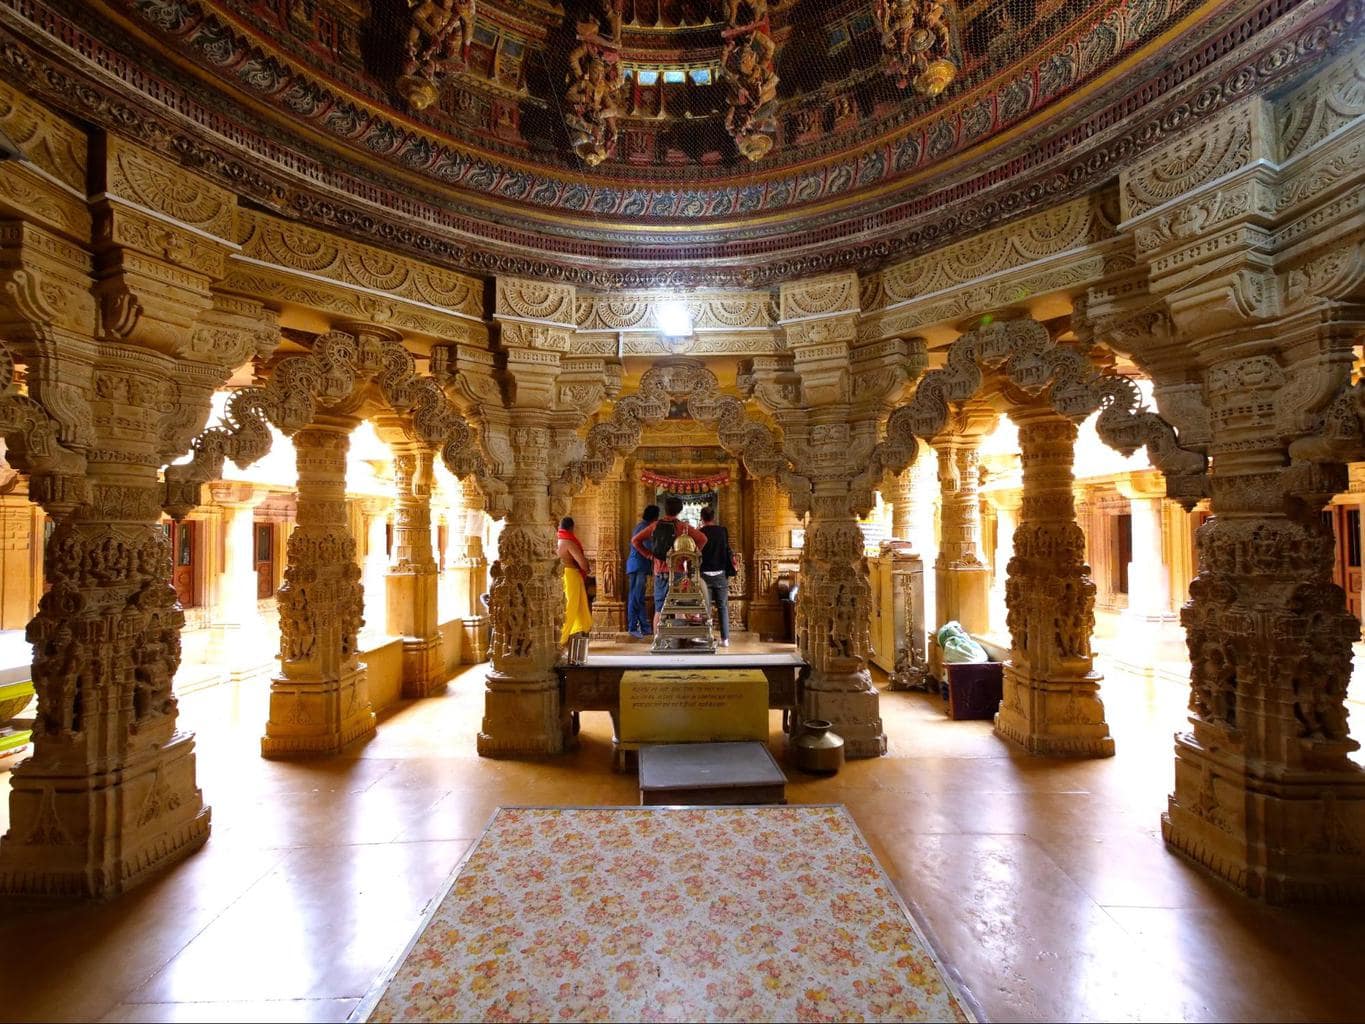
(184, 538)
(1346, 572)
(265, 561)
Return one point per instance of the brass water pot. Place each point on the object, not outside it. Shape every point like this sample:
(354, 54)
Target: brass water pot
(817, 748)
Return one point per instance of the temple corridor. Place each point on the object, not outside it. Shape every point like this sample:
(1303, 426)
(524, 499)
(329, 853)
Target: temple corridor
(1045, 883)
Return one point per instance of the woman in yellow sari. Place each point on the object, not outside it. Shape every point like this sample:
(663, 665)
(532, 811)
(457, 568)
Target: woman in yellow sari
(577, 614)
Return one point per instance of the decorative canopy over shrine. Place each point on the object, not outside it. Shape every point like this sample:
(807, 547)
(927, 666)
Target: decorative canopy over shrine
(656, 142)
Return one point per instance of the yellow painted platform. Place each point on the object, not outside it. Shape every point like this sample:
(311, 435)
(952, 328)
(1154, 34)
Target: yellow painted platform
(694, 706)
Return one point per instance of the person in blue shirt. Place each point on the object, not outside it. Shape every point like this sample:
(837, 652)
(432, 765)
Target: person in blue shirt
(639, 570)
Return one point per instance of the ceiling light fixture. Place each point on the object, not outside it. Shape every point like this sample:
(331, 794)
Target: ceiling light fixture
(674, 319)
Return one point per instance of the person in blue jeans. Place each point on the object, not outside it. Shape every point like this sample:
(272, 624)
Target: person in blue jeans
(644, 542)
(717, 566)
(639, 570)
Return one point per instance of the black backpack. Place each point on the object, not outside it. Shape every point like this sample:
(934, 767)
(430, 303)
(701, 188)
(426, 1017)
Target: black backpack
(661, 540)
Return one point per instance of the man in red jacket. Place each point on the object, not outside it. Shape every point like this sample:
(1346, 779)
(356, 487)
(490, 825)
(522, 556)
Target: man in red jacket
(665, 530)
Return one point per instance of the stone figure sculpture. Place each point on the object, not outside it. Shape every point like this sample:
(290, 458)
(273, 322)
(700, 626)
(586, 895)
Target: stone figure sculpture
(437, 43)
(593, 98)
(751, 81)
(917, 43)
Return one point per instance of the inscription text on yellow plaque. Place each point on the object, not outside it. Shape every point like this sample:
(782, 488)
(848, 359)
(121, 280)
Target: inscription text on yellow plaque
(694, 706)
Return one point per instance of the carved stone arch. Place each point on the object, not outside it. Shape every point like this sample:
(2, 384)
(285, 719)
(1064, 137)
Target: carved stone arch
(335, 374)
(756, 444)
(1027, 357)
(57, 473)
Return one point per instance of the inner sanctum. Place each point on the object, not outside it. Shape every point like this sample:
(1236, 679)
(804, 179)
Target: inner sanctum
(932, 431)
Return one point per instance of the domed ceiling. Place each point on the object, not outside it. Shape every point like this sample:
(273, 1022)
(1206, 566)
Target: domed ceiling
(632, 142)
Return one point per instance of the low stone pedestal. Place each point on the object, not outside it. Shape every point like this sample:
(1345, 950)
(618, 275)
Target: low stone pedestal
(710, 773)
(317, 716)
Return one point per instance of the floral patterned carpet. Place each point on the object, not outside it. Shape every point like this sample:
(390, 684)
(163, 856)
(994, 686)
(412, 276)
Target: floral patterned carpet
(669, 913)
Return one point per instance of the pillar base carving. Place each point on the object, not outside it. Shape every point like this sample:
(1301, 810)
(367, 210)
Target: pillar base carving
(86, 836)
(476, 639)
(317, 716)
(1294, 838)
(1055, 718)
(521, 717)
(851, 704)
(608, 616)
(412, 599)
(423, 670)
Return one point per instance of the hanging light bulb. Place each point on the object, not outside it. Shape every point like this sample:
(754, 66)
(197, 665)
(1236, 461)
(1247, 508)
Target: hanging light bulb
(674, 319)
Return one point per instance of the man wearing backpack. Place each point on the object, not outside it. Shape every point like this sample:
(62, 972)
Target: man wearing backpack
(656, 541)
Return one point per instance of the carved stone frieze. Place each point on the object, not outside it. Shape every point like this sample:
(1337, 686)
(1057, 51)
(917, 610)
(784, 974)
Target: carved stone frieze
(636, 311)
(1077, 224)
(820, 297)
(1330, 100)
(52, 144)
(541, 301)
(149, 181)
(49, 185)
(1238, 136)
(708, 343)
(348, 303)
(308, 251)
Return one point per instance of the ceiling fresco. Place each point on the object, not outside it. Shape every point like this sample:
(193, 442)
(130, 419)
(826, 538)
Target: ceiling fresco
(658, 142)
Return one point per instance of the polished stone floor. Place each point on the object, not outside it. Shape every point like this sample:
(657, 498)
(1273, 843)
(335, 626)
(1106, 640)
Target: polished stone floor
(1044, 884)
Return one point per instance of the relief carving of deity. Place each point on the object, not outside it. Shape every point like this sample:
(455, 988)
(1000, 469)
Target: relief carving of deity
(593, 98)
(437, 44)
(916, 42)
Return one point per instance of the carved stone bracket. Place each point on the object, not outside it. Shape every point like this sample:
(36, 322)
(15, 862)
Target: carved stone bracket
(57, 474)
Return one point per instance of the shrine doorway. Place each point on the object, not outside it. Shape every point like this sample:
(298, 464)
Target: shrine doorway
(682, 456)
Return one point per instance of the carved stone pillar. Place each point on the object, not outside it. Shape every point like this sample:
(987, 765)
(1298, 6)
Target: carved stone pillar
(526, 600)
(765, 609)
(122, 348)
(320, 701)
(1149, 594)
(1051, 701)
(1265, 794)
(243, 647)
(834, 609)
(109, 794)
(832, 422)
(471, 567)
(412, 577)
(1006, 505)
(609, 610)
(526, 604)
(961, 577)
(903, 508)
(375, 567)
